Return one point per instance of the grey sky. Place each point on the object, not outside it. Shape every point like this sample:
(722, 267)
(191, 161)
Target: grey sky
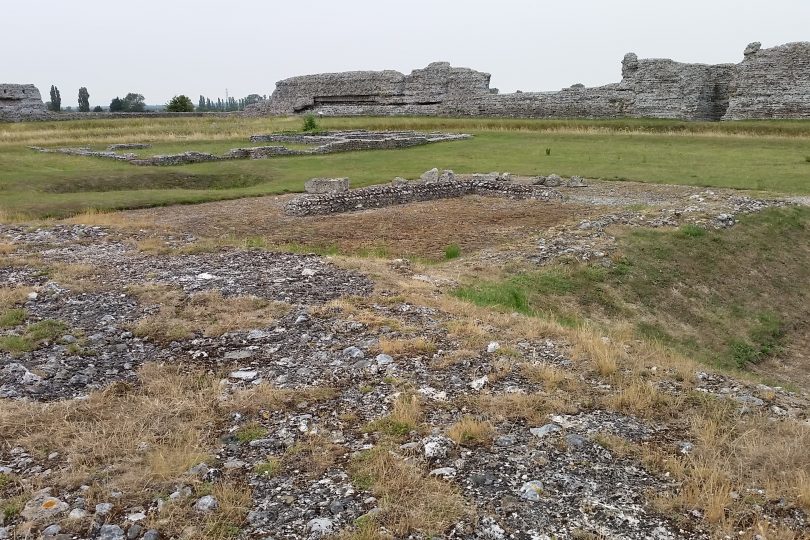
(167, 47)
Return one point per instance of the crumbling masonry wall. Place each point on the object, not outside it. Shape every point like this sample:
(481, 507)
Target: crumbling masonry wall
(21, 102)
(768, 83)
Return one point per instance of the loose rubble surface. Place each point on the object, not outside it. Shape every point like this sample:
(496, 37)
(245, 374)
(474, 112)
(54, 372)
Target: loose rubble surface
(344, 375)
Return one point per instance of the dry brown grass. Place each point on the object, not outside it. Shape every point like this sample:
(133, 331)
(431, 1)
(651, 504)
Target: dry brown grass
(76, 277)
(102, 218)
(642, 398)
(357, 309)
(136, 439)
(12, 296)
(470, 431)
(7, 247)
(405, 416)
(453, 357)
(264, 397)
(741, 454)
(549, 375)
(409, 501)
(178, 518)
(312, 455)
(407, 347)
(600, 351)
(208, 313)
(533, 408)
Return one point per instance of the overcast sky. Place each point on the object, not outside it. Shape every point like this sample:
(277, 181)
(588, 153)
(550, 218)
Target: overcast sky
(167, 47)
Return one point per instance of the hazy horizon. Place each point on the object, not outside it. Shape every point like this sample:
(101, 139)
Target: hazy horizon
(160, 49)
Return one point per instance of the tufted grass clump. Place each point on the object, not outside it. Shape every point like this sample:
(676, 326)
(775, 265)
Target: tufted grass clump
(33, 336)
(268, 468)
(251, 432)
(453, 251)
(12, 317)
(470, 431)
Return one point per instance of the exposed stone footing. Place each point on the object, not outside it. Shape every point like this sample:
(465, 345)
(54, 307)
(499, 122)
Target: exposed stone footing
(389, 195)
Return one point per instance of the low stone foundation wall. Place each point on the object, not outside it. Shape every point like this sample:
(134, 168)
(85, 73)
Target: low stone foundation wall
(393, 194)
(329, 142)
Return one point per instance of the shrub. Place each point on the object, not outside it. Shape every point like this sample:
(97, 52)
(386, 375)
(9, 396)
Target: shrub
(310, 124)
(180, 103)
(548, 151)
(98, 108)
(452, 251)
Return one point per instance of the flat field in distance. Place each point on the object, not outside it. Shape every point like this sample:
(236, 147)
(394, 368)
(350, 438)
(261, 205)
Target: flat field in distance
(762, 155)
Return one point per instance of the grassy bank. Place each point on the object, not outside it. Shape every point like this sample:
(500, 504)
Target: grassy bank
(729, 298)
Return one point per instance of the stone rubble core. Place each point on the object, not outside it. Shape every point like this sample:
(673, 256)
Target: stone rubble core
(21, 102)
(768, 83)
(403, 193)
(324, 143)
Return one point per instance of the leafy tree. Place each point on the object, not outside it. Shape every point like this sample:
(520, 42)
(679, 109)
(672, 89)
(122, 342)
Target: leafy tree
(134, 103)
(84, 100)
(180, 103)
(251, 99)
(56, 99)
(117, 105)
(201, 104)
(98, 108)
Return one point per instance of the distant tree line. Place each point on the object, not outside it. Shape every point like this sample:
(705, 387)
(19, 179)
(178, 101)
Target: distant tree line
(133, 102)
(205, 104)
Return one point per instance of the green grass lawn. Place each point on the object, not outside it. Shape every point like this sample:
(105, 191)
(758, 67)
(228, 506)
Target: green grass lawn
(765, 156)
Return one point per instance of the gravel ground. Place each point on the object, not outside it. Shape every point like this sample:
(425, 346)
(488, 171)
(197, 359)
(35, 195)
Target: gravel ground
(553, 477)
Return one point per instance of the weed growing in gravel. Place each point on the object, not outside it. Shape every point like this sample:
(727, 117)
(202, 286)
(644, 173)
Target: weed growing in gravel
(404, 418)
(268, 468)
(453, 251)
(250, 432)
(470, 431)
(12, 317)
(33, 336)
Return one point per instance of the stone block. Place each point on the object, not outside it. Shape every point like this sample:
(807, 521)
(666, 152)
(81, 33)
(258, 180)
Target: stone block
(326, 185)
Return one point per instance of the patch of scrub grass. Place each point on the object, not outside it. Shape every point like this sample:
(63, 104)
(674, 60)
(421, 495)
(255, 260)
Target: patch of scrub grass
(251, 432)
(404, 418)
(12, 317)
(453, 251)
(763, 340)
(33, 336)
(470, 431)
(538, 293)
(268, 468)
(410, 501)
(692, 231)
(47, 329)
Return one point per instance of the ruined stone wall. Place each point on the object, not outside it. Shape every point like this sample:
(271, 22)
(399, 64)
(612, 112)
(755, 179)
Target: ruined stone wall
(769, 83)
(393, 194)
(20, 102)
(772, 83)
